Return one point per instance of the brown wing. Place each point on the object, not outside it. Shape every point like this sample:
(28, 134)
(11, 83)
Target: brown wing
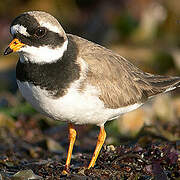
(120, 82)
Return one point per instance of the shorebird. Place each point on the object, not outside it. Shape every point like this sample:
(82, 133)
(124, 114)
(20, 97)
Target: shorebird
(71, 79)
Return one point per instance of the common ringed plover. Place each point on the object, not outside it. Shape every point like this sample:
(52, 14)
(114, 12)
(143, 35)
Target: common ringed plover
(71, 79)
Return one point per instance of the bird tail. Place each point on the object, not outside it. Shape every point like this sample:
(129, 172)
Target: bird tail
(161, 84)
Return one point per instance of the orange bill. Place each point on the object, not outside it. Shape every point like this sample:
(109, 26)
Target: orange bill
(14, 46)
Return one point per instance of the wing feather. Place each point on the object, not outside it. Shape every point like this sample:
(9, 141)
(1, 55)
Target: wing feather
(120, 82)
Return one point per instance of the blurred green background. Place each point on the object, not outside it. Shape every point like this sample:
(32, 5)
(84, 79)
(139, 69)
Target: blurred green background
(147, 32)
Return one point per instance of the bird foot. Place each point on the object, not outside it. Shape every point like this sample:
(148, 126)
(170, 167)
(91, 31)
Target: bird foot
(65, 172)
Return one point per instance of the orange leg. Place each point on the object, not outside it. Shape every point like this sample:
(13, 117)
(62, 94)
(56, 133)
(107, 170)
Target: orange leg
(72, 138)
(100, 142)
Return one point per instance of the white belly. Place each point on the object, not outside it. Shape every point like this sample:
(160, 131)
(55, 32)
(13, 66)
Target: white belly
(76, 107)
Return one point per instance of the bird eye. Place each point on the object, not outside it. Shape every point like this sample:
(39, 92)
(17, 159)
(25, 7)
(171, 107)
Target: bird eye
(40, 31)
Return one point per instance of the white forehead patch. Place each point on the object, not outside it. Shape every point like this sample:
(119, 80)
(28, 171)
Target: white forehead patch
(19, 28)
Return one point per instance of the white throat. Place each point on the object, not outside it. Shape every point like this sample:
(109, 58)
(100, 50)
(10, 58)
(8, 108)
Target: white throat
(42, 54)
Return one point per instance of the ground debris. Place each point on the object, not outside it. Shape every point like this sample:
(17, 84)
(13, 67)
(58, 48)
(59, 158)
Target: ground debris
(39, 150)
(155, 161)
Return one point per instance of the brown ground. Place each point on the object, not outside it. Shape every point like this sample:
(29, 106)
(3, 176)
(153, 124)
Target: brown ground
(33, 148)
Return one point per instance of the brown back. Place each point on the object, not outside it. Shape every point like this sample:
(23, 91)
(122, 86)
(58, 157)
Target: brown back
(120, 82)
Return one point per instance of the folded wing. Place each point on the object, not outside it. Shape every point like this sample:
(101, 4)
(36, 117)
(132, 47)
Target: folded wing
(120, 82)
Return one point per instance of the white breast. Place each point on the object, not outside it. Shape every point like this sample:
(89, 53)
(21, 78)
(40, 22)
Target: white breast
(76, 107)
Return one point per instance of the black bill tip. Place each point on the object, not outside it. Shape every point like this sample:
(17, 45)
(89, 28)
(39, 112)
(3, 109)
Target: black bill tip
(8, 51)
